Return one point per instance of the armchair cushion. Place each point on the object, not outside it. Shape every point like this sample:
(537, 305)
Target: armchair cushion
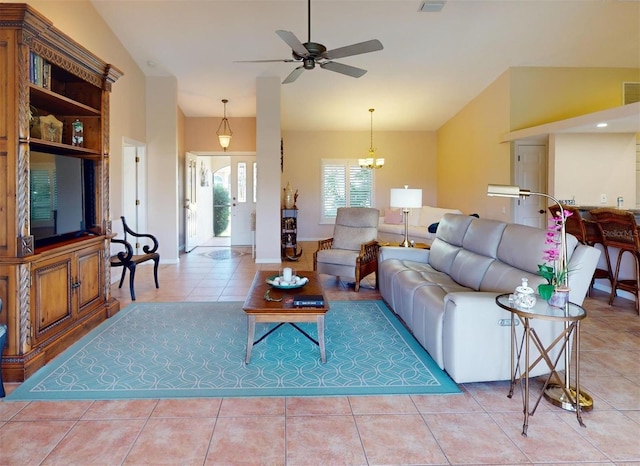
(338, 256)
(354, 226)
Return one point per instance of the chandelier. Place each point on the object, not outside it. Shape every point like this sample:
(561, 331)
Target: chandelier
(371, 161)
(224, 130)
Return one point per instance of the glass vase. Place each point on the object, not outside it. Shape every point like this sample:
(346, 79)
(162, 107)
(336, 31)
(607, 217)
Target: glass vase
(559, 298)
(289, 201)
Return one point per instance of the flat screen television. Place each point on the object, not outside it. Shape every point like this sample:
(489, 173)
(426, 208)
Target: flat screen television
(62, 199)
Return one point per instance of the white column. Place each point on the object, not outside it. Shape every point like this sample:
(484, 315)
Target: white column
(162, 164)
(268, 158)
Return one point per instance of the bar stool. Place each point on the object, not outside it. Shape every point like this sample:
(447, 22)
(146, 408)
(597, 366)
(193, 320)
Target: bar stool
(620, 230)
(587, 232)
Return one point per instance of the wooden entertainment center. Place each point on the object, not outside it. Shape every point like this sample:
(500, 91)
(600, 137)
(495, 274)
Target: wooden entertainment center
(54, 244)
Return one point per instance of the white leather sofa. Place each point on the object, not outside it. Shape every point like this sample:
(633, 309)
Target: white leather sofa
(391, 224)
(446, 295)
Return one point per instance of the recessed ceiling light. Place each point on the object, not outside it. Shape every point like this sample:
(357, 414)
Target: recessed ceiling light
(431, 6)
(602, 125)
(151, 64)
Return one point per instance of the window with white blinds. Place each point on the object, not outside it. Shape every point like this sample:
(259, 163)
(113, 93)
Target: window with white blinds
(344, 184)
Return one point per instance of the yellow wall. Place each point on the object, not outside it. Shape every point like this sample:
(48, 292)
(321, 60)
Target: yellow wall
(545, 95)
(200, 134)
(470, 154)
(410, 158)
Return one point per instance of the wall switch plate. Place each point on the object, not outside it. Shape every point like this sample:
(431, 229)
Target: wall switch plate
(603, 198)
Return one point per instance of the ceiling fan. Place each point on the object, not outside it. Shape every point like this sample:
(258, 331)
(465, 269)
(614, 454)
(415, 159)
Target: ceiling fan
(312, 53)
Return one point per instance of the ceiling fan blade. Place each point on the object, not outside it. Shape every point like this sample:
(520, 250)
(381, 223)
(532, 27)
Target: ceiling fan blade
(293, 42)
(355, 49)
(344, 69)
(282, 60)
(293, 75)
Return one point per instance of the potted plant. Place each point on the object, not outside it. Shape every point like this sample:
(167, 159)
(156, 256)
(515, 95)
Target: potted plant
(555, 268)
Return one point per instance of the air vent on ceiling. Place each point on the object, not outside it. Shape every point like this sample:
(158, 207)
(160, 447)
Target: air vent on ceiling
(432, 6)
(630, 93)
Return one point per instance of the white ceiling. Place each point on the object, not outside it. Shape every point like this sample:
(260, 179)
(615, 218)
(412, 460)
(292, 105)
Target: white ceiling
(431, 66)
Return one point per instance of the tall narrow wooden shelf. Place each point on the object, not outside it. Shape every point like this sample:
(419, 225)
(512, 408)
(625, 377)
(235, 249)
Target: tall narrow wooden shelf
(54, 283)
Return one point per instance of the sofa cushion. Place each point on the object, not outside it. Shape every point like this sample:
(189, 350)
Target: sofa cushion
(483, 237)
(393, 216)
(414, 216)
(522, 247)
(355, 226)
(452, 228)
(430, 215)
(468, 268)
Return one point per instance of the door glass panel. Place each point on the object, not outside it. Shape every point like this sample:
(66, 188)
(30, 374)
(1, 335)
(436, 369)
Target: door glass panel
(255, 182)
(242, 182)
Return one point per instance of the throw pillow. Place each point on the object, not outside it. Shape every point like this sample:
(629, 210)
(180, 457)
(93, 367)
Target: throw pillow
(393, 216)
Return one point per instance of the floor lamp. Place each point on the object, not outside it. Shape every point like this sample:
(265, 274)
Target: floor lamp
(554, 393)
(406, 199)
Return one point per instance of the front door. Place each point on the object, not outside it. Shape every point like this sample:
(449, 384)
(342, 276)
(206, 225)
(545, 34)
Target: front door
(190, 202)
(242, 198)
(531, 174)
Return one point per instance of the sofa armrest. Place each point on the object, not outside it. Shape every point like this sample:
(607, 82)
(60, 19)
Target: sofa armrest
(582, 265)
(411, 254)
(476, 338)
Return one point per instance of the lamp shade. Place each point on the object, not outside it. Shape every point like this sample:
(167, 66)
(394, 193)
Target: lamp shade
(225, 140)
(503, 190)
(406, 198)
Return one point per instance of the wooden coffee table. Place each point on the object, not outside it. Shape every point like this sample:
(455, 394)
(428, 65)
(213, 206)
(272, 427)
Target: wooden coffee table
(258, 309)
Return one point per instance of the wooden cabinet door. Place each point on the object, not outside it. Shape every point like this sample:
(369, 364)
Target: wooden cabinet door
(51, 303)
(89, 278)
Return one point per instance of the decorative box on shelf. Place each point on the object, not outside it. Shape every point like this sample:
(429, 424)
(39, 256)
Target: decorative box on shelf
(47, 128)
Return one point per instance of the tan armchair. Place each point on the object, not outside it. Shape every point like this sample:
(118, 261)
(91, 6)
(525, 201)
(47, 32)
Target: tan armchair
(353, 250)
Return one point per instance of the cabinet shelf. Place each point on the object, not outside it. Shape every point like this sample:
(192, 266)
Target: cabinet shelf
(60, 105)
(53, 274)
(62, 149)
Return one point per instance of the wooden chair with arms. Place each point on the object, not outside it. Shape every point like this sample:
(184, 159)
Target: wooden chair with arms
(620, 230)
(353, 249)
(587, 232)
(128, 260)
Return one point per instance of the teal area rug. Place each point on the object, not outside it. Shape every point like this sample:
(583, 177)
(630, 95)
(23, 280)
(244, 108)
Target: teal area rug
(192, 349)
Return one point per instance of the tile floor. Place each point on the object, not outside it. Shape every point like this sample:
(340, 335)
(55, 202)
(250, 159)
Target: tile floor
(481, 426)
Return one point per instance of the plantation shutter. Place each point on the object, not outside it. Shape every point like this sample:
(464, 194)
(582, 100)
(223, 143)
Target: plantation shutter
(360, 186)
(344, 184)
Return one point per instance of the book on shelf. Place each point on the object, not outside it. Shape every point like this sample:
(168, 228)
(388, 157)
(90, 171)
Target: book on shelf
(308, 300)
(39, 71)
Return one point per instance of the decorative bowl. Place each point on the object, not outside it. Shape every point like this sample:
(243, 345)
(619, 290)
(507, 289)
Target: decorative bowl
(274, 281)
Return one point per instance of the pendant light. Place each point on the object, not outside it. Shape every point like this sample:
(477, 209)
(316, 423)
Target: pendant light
(224, 130)
(371, 161)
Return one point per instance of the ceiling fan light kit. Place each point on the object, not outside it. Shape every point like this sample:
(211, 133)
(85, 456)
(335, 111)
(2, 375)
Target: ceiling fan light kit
(224, 129)
(312, 53)
(371, 161)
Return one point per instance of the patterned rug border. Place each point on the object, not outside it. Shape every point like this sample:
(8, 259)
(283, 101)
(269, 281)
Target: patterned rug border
(26, 392)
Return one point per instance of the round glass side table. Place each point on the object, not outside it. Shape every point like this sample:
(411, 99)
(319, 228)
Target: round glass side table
(557, 391)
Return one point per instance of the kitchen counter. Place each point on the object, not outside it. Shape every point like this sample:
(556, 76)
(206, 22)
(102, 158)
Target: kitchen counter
(584, 209)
